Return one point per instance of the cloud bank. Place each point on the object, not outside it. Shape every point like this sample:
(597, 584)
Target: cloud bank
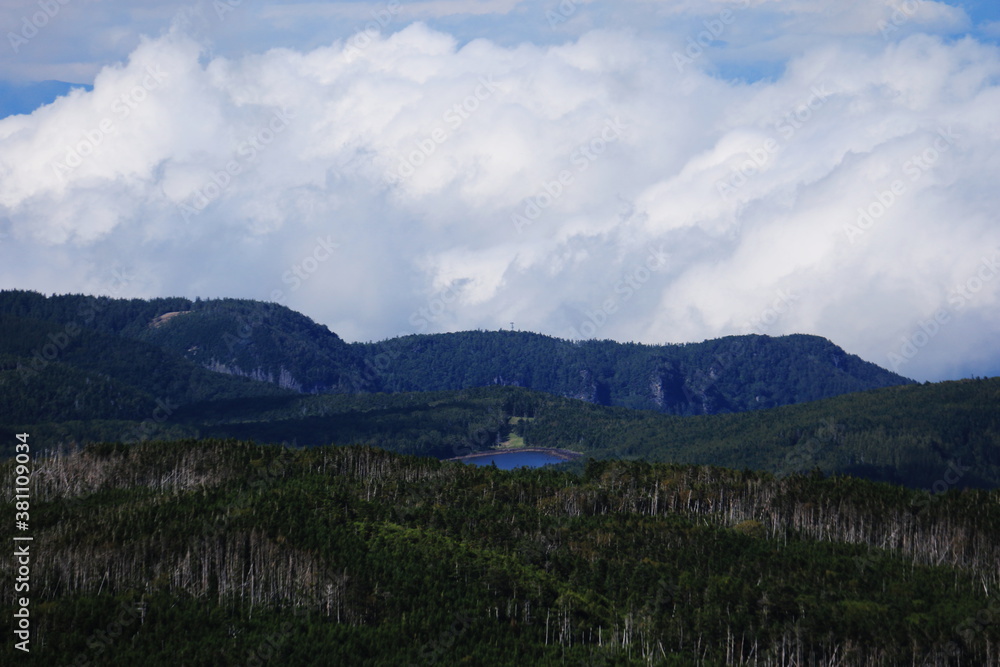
(613, 183)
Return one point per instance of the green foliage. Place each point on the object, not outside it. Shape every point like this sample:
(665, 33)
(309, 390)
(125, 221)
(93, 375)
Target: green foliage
(935, 437)
(225, 553)
(274, 344)
(264, 341)
(221, 551)
(52, 372)
(732, 374)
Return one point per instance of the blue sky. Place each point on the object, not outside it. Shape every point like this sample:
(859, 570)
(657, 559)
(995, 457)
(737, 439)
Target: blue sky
(981, 11)
(635, 170)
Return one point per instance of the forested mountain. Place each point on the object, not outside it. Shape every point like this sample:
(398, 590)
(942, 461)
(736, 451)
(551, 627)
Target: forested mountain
(729, 374)
(227, 553)
(271, 343)
(257, 340)
(58, 372)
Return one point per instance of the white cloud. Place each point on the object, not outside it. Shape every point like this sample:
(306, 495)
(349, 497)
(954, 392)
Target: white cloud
(534, 184)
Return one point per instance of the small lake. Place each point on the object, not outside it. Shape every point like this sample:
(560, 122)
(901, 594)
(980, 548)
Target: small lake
(511, 460)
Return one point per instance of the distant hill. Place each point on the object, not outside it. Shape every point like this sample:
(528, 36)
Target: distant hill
(274, 344)
(52, 372)
(261, 341)
(731, 374)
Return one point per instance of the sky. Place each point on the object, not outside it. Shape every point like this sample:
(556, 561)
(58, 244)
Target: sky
(658, 172)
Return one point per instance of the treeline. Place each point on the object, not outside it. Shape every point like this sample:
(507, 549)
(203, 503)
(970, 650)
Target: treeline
(221, 552)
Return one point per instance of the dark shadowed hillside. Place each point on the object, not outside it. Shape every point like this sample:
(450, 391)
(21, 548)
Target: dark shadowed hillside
(274, 344)
(730, 374)
(251, 339)
(936, 437)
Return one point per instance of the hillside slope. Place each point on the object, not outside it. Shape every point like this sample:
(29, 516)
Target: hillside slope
(933, 437)
(274, 344)
(731, 374)
(224, 553)
(261, 341)
(51, 372)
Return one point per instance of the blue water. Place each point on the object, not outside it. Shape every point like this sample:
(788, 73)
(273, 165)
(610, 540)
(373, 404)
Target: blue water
(511, 460)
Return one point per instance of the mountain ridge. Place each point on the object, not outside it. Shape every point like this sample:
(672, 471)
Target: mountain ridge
(274, 344)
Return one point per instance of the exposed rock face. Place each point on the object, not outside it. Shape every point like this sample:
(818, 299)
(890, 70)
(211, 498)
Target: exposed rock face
(160, 320)
(284, 379)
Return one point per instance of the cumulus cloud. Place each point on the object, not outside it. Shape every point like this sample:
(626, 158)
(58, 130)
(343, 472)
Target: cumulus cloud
(405, 179)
